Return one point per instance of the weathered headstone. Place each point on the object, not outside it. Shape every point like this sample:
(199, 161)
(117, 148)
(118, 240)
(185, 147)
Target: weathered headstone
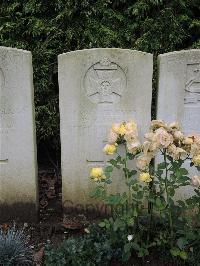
(18, 183)
(97, 88)
(179, 91)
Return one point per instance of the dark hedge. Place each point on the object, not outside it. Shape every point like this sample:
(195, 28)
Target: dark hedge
(48, 28)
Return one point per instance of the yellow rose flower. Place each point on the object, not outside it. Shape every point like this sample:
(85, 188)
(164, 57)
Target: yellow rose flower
(145, 177)
(96, 172)
(196, 160)
(122, 130)
(110, 149)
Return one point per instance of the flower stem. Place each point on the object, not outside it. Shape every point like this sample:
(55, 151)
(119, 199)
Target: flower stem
(167, 194)
(126, 177)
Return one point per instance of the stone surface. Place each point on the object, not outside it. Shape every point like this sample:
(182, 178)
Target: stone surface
(179, 92)
(18, 182)
(97, 88)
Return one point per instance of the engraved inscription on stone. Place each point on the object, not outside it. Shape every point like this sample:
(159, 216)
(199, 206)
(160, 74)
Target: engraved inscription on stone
(191, 120)
(192, 86)
(96, 134)
(104, 82)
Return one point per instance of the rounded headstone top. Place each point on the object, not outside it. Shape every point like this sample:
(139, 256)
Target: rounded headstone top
(181, 52)
(10, 49)
(111, 50)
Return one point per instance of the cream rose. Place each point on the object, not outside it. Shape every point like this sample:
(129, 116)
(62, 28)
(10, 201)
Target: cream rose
(131, 126)
(112, 137)
(155, 124)
(178, 135)
(143, 162)
(187, 140)
(115, 127)
(176, 152)
(133, 146)
(163, 137)
(175, 126)
(195, 181)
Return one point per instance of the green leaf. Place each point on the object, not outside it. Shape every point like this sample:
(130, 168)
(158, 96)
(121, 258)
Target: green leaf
(159, 172)
(184, 180)
(107, 174)
(130, 156)
(171, 191)
(143, 252)
(130, 221)
(127, 247)
(94, 193)
(132, 173)
(109, 169)
(119, 159)
(135, 246)
(113, 199)
(175, 251)
(161, 166)
(160, 203)
(118, 224)
(113, 162)
(183, 255)
(97, 192)
(183, 171)
(182, 242)
(108, 181)
(139, 195)
(102, 224)
(132, 182)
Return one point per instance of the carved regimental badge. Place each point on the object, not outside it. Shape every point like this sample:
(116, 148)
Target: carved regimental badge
(192, 87)
(104, 82)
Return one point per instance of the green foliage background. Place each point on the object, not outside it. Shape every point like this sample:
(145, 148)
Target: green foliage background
(48, 28)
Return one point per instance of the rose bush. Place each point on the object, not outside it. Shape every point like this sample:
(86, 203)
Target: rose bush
(151, 209)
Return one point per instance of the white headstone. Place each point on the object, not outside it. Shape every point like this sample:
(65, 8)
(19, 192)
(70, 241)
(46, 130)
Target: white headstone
(97, 88)
(18, 182)
(179, 92)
